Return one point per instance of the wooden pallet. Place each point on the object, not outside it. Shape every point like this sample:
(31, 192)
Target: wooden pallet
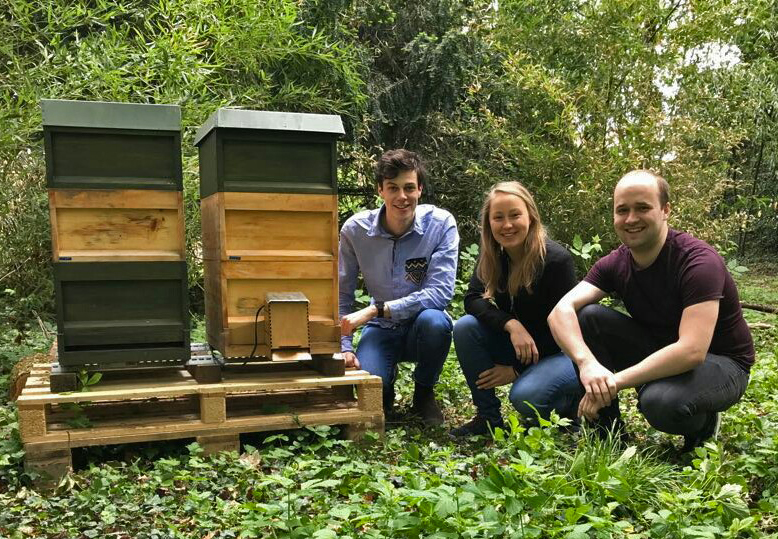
(126, 408)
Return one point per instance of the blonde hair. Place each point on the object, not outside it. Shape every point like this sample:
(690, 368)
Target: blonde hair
(522, 272)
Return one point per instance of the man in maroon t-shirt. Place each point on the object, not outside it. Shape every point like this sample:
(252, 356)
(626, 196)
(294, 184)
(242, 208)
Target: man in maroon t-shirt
(686, 347)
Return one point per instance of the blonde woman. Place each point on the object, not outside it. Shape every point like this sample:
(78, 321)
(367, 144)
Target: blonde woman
(504, 337)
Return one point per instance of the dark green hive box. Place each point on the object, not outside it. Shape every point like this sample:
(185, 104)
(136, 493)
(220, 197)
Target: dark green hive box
(121, 313)
(101, 145)
(268, 152)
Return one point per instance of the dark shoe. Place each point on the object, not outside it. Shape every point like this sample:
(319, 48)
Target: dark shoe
(392, 416)
(710, 431)
(388, 398)
(426, 407)
(478, 426)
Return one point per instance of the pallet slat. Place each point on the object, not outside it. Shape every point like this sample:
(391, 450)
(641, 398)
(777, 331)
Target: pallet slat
(174, 406)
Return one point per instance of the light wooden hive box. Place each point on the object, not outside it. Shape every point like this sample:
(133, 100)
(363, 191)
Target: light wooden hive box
(113, 172)
(268, 187)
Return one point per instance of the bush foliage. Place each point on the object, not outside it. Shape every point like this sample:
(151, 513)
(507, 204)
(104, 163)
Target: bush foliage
(564, 96)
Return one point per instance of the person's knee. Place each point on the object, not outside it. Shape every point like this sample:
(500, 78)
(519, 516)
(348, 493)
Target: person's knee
(664, 407)
(526, 399)
(590, 316)
(433, 322)
(466, 328)
(467, 332)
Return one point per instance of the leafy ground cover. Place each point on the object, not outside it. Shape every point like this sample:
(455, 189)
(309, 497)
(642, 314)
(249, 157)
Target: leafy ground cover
(541, 482)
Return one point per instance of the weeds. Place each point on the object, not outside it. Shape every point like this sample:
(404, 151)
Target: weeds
(524, 483)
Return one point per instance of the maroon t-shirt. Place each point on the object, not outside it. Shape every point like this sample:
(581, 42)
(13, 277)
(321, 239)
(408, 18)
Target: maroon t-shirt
(686, 272)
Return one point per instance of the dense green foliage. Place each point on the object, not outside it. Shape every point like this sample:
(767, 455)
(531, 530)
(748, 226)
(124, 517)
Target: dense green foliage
(564, 96)
(542, 482)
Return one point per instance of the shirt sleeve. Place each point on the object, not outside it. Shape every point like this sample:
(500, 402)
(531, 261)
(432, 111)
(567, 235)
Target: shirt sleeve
(702, 278)
(348, 269)
(485, 310)
(601, 274)
(438, 286)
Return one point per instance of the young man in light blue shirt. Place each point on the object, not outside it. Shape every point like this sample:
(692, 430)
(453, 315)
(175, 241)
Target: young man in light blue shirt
(407, 254)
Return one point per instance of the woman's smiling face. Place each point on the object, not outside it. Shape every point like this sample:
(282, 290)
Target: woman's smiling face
(509, 220)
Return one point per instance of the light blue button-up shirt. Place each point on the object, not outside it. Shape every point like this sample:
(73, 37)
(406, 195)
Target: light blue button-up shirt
(411, 273)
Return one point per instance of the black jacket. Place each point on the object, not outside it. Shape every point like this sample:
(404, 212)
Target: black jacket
(554, 280)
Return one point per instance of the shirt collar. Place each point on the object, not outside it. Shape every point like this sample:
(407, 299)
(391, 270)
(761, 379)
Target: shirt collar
(377, 230)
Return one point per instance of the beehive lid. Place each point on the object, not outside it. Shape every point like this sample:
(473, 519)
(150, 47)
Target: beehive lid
(269, 120)
(110, 115)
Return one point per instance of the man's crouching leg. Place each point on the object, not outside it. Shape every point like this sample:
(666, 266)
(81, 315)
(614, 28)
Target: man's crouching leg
(689, 404)
(427, 344)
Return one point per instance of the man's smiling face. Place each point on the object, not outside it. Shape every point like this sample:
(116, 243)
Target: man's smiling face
(401, 195)
(638, 216)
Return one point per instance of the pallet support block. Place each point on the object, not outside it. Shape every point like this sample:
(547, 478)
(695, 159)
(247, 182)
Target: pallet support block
(32, 422)
(213, 408)
(216, 444)
(61, 381)
(369, 399)
(50, 465)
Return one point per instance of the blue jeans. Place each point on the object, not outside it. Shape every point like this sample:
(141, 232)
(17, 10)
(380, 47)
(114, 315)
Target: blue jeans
(425, 340)
(550, 384)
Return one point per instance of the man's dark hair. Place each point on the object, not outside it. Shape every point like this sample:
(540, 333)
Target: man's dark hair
(662, 187)
(392, 162)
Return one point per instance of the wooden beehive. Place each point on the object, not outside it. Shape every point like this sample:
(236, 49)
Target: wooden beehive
(117, 231)
(128, 313)
(269, 223)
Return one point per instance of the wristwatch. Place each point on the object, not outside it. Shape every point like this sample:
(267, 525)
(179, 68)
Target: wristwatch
(380, 306)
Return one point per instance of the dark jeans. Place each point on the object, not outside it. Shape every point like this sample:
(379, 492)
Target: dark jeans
(425, 341)
(678, 404)
(550, 384)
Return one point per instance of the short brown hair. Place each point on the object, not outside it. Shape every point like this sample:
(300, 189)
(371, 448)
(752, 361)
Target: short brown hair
(662, 187)
(392, 162)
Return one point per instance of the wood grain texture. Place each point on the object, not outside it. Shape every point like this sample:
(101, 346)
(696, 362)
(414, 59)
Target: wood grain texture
(128, 409)
(115, 198)
(289, 202)
(278, 230)
(126, 224)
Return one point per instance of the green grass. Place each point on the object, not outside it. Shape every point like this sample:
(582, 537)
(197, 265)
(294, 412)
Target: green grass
(542, 482)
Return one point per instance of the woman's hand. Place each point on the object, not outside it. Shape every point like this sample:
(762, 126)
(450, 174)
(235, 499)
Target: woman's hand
(499, 375)
(522, 341)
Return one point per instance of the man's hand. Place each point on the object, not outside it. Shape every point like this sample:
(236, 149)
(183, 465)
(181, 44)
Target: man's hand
(522, 341)
(599, 383)
(350, 359)
(352, 321)
(499, 375)
(589, 407)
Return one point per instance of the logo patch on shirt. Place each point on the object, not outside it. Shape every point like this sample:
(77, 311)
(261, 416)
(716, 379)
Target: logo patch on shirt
(416, 269)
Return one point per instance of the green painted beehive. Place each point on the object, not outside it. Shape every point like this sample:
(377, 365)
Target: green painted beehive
(122, 314)
(102, 145)
(254, 151)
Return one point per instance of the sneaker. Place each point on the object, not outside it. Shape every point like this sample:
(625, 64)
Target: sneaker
(710, 431)
(478, 426)
(426, 407)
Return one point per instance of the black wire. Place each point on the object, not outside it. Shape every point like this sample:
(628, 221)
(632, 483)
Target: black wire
(256, 338)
